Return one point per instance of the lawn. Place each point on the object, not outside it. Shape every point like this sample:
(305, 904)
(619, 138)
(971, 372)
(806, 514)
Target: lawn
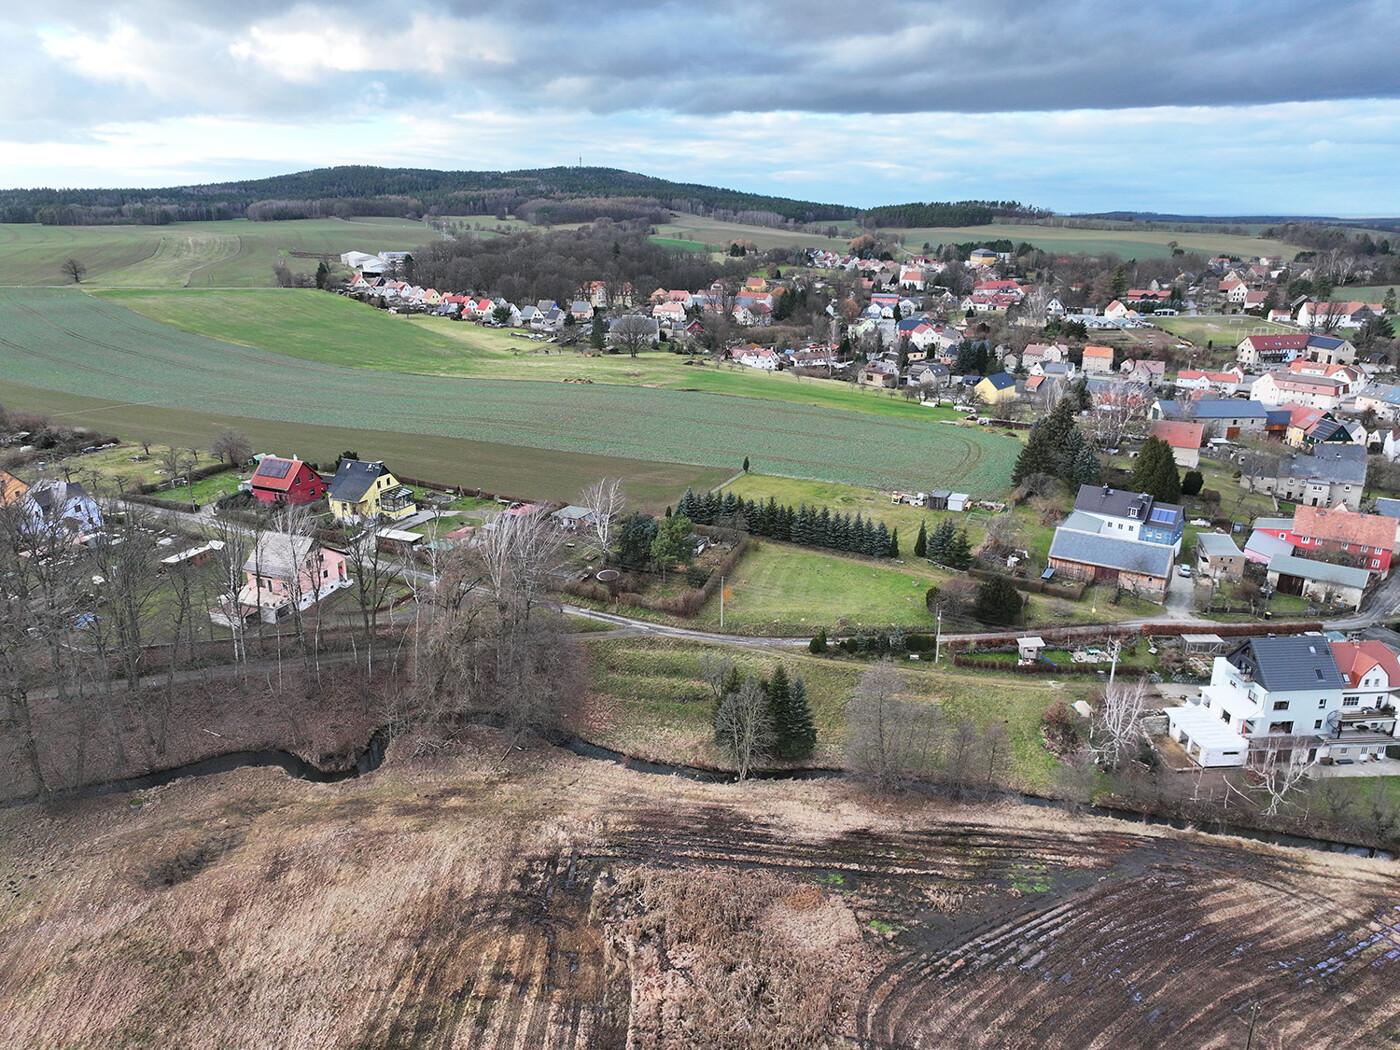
(206, 490)
(649, 699)
(75, 344)
(235, 253)
(779, 589)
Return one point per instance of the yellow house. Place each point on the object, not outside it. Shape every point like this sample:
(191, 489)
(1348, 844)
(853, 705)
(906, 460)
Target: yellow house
(367, 491)
(11, 488)
(997, 389)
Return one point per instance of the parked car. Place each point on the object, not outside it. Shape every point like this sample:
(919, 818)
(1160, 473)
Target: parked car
(1183, 570)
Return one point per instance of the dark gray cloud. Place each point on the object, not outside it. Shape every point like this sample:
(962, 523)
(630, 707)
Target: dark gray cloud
(122, 61)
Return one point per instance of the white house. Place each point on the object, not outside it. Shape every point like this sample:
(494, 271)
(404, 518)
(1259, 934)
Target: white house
(1268, 692)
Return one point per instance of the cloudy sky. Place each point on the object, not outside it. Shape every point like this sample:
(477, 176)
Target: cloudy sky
(1284, 107)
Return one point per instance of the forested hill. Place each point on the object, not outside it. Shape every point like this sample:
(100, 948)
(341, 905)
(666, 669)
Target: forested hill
(545, 194)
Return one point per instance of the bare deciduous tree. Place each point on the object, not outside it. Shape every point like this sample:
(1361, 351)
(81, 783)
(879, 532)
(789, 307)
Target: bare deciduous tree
(633, 333)
(231, 445)
(744, 727)
(604, 499)
(890, 738)
(1116, 728)
(1279, 768)
(73, 269)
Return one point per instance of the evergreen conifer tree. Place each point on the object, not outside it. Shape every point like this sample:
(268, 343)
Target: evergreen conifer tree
(687, 506)
(998, 602)
(1156, 472)
(894, 543)
(960, 550)
(801, 730)
(880, 542)
(1086, 470)
(821, 532)
(921, 542)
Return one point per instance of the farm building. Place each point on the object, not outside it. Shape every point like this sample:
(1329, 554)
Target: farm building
(1289, 574)
(279, 480)
(1142, 568)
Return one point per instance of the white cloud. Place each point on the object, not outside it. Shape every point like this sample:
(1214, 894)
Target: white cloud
(305, 44)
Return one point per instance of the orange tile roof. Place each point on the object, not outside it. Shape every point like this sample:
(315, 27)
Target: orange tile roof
(1355, 660)
(1098, 351)
(1179, 435)
(1340, 525)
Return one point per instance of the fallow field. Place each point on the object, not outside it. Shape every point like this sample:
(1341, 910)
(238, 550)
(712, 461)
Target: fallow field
(74, 344)
(526, 900)
(232, 254)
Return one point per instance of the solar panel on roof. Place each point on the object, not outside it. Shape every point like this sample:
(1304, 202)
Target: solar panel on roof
(1165, 516)
(274, 468)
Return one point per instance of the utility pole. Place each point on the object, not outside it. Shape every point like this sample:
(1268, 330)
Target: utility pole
(1114, 647)
(721, 604)
(937, 634)
(1253, 1015)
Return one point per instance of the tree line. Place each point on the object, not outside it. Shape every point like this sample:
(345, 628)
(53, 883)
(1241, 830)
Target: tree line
(803, 525)
(948, 213)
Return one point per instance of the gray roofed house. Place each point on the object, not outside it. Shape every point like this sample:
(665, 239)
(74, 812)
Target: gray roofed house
(354, 478)
(1149, 559)
(1333, 472)
(1288, 663)
(1133, 515)
(64, 503)
(1318, 580)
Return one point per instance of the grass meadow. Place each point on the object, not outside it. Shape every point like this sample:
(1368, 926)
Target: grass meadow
(648, 697)
(232, 254)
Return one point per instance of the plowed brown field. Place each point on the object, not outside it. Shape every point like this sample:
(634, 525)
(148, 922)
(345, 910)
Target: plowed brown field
(543, 900)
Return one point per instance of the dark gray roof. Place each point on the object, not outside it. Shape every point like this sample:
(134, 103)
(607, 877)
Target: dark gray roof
(1288, 664)
(1152, 559)
(1132, 506)
(354, 477)
(1344, 463)
(1321, 571)
(1001, 380)
(1226, 408)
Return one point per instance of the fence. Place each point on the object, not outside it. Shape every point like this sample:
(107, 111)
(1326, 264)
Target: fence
(1067, 635)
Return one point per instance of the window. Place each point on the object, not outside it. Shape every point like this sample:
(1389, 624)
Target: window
(1351, 701)
(1281, 727)
(1280, 705)
(1321, 704)
(1317, 724)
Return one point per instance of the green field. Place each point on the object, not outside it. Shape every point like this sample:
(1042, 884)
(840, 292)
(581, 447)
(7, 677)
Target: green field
(334, 330)
(503, 469)
(1222, 329)
(71, 343)
(780, 589)
(1133, 243)
(233, 254)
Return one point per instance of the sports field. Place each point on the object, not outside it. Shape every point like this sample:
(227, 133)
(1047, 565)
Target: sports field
(71, 343)
(233, 254)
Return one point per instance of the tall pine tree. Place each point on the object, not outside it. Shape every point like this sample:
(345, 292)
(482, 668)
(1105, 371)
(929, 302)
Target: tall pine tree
(921, 542)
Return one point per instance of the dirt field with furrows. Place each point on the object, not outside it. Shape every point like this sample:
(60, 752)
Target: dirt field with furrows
(491, 898)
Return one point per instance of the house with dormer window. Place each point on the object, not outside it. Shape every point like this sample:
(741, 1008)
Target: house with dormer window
(1133, 515)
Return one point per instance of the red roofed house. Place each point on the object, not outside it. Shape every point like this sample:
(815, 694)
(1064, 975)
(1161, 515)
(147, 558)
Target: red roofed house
(1364, 540)
(1185, 440)
(1098, 359)
(1370, 676)
(279, 480)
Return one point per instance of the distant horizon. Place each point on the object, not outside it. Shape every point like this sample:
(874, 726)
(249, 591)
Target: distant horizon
(765, 191)
(1067, 104)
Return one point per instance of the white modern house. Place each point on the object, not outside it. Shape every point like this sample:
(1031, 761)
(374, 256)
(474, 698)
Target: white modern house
(1299, 696)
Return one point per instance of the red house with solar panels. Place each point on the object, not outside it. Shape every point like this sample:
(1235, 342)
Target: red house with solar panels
(279, 480)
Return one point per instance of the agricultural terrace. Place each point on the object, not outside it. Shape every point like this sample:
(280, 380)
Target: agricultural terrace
(334, 330)
(529, 890)
(231, 254)
(72, 343)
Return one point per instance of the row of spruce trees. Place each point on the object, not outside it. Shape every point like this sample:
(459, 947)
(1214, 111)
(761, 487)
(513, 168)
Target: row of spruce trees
(802, 525)
(788, 731)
